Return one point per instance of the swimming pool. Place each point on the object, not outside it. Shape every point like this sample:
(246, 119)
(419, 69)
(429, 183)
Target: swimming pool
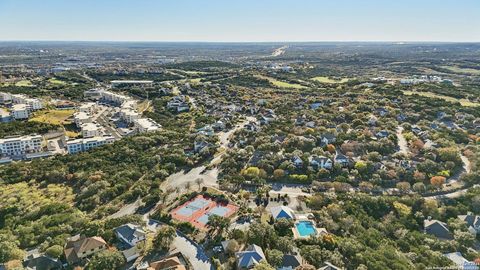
(305, 228)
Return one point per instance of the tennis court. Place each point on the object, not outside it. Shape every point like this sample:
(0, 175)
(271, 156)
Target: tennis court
(198, 210)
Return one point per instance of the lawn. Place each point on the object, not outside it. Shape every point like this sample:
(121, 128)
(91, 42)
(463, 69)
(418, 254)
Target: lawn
(463, 102)
(56, 81)
(281, 84)
(455, 69)
(55, 117)
(323, 79)
(24, 83)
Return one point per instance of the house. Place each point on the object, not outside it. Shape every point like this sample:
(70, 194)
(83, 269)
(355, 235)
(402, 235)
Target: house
(199, 146)
(130, 234)
(297, 161)
(79, 247)
(41, 262)
(372, 121)
(290, 262)
(382, 134)
(251, 126)
(321, 162)
(173, 262)
(250, 257)
(461, 262)
(437, 228)
(178, 104)
(315, 105)
(342, 160)
(381, 111)
(282, 212)
(329, 266)
(131, 253)
(219, 125)
(327, 139)
(206, 130)
(473, 222)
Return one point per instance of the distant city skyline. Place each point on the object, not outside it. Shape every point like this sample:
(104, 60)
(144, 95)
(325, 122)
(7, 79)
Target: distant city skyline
(240, 21)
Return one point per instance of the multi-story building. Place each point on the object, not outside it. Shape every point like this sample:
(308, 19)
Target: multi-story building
(81, 145)
(5, 97)
(91, 130)
(129, 115)
(20, 146)
(32, 104)
(81, 118)
(20, 111)
(5, 116)
(114, 97)
(143, 125)
(89, 107)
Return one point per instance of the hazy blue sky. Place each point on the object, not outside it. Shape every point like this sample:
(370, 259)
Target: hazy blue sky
(241, 20)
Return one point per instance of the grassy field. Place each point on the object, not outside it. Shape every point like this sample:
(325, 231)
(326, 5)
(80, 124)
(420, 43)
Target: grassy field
(463, 102)
(56, 81)
(55, 117)
(281, 84)
(24, 83)
(470, 71)
(323, 79)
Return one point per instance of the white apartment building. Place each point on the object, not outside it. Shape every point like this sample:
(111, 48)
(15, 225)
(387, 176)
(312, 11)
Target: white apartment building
(91, 130)
(89, 107)
(129, 115)
(143, 125)
(5, 97)
(93, 94)
(5, 116)
(20, 111)
(114, 97)
(81, 145)
(32, 104)
(81, 118)
(20, 146)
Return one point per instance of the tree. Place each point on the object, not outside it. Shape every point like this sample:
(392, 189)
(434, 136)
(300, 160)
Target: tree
(331, 148)
(437, 181)
(305, 267)
(54, 251)
(218, 222)
(262, 234)
(403, 186)
(283, 226)
(164, 238)
(278, 174)
(232, 247)
(263, 265)
(106, 259)
(419, 187)
(274, 257)
(10, 251)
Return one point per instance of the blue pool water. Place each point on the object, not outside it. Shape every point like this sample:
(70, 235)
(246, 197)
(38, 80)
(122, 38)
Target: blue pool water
(305, 228)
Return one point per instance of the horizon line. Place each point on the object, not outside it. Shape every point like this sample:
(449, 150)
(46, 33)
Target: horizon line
(219, 41)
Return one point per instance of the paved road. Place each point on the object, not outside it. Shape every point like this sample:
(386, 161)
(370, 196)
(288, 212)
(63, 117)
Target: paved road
(209, 177)
(279, 51)
(402, 143)
(191, 250)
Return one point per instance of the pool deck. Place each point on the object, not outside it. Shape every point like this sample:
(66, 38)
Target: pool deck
(318, 231)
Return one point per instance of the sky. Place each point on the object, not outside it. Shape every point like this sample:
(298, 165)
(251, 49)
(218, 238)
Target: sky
(241, 20)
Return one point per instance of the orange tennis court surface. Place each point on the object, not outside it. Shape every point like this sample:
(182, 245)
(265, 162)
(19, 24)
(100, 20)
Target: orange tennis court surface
(197, 211)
